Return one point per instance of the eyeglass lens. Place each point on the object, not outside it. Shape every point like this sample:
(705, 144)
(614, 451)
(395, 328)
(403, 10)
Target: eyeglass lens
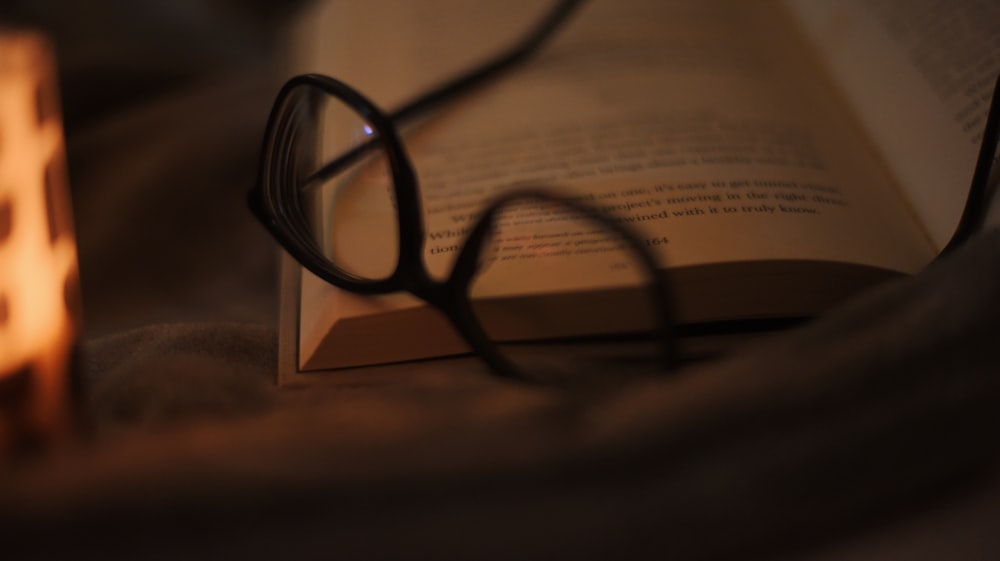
(351, 213)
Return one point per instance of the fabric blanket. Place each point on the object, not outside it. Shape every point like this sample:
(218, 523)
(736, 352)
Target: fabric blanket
(869, 433)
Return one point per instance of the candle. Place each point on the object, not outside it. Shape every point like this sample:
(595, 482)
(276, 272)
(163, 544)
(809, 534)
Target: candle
(38, 262)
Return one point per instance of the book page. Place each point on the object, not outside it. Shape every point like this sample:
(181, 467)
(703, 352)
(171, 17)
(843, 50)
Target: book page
(705, 125)
(920, 75)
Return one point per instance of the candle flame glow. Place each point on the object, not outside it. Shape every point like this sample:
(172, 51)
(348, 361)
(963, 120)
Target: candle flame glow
(38, 261)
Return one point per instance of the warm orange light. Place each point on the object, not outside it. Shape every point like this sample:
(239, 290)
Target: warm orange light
(38, 262)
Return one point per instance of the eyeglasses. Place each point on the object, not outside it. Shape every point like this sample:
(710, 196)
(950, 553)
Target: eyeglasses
(297, 200)
(300, 194)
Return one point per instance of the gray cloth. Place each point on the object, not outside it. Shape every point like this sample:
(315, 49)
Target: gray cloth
(867, 434)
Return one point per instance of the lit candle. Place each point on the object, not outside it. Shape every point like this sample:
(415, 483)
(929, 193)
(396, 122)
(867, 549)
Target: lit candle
(38, 262)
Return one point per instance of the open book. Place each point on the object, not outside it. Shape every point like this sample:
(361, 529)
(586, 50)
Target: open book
(781, 155)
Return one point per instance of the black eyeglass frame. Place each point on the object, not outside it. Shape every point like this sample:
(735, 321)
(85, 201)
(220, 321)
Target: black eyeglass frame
(276, 200)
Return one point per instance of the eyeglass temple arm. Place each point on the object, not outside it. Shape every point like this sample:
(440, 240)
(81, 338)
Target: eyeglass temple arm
(460, 84)
(980, 193)
(465, 82)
